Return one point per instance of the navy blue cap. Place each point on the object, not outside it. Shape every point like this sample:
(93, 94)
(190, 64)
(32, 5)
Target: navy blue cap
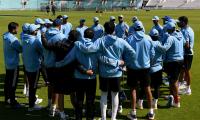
(57, 22)
(167, 18)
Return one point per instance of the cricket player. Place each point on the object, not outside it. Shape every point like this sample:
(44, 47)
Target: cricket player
(32, 51)
(188, 34)
(11, 49)
(139, 70)
(66, 26)
(81, 28)
(97, 28)
(121, 29)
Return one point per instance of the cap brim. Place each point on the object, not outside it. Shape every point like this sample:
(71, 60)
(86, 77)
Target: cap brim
(155, 19)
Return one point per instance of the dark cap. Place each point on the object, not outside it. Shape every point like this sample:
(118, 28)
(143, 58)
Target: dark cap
(57, 22)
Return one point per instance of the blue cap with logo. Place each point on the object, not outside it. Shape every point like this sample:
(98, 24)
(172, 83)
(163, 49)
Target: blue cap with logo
(167, 18)
(154, 32)
(138, 25)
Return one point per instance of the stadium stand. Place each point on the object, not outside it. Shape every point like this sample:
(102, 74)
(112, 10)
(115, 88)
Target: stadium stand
(94, 4)
(192, 4)
(173, 4)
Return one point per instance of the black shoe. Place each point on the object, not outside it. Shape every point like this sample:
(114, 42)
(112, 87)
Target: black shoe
(150, 116)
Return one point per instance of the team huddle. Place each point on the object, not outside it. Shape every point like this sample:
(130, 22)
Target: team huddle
(70, 60)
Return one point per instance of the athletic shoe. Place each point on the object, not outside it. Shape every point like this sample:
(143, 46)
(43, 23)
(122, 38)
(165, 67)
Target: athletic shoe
(140, 104)
(155, 105)
(63, 116)
(177, 105)
(170, 101)
(132, 116)
(120, 109)
(52, 111)
(150, 116)
(188, 91)
(181, 91)
(36, 107)
(181, 85)
(38, 101)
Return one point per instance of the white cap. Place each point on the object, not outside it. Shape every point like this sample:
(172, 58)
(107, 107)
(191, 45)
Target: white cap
(112, 17)
(47, 21)
(155, 18)
(33, 27)
(65, 17)
(135, 18)
(39, 21)
(121, 16)
(96, 19)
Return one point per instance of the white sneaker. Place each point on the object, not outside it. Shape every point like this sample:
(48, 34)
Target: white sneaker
(155, 104)
(120, 109)
(170, 101)
(63, 116)
(38, 101)
(181, 85)
(188, 91)
(177, 105)
(36, 107)
(140, 104)
(132, 116)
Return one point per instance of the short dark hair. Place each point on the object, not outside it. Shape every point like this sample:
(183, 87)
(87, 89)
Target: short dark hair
(89, 33)
(74, 35)
(12, 26)
(109, 27)
(183, 19)
(59, 17)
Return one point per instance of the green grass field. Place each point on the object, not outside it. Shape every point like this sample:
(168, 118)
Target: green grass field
(190, 105)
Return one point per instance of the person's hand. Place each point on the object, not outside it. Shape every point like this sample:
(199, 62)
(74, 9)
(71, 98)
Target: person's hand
(89, 72)
(187, 45)
(121, 62)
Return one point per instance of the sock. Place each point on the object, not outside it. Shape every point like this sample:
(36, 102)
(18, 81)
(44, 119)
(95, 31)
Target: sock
(176, 99)
(115, 103)
(188, 87)
(103, 104)
(151, 111)
(141, 101)
(54, 106)
(133, 112)
(155, 101)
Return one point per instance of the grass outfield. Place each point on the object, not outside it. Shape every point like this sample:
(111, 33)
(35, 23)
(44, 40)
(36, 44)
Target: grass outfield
(190, 105)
